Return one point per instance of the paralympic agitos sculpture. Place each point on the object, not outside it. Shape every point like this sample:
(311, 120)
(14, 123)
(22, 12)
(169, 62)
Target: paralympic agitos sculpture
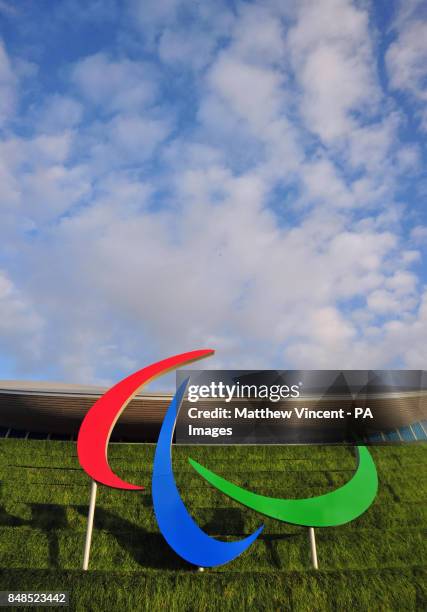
(177, 526)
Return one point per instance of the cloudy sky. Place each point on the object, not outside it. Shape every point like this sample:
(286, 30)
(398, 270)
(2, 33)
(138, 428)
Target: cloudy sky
(244, 176)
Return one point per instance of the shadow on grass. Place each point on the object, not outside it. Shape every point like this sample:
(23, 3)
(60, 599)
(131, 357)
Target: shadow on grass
(270, 541)
(44, 517)
(151, 550)
(57, 519)
(146, 548)
(224, 521)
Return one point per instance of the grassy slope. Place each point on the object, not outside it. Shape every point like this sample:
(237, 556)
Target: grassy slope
(374, 563)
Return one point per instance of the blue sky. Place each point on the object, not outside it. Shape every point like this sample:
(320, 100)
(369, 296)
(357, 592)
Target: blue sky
(245, 176)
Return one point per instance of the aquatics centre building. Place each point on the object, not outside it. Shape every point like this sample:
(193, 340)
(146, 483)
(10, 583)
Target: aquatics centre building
(42, 410)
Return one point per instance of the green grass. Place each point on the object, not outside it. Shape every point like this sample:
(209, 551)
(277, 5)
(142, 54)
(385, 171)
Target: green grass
(374, 563)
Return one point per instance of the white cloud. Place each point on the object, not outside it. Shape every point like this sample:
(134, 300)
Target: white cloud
(261, 214)
(39, 184)
(191, 43)
(382, 301)
(258, 36)
(406, 58)
(8, 9)
(20, 325)
(332, 56)
(419, 234)
(190, 51)
(59, 113)
(174, 282)
(328, 337)
(408, 338)
(8, 86)
(123, 85)
(151, 13)
(334, 85)
(137, 137)
(323, 184)
(253, 93)
(50, 191)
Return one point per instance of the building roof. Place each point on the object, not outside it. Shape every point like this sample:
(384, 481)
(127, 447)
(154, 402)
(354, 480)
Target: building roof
(36, 387)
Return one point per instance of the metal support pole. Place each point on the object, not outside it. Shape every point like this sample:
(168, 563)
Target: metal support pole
(313, 547)
(90, 525)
